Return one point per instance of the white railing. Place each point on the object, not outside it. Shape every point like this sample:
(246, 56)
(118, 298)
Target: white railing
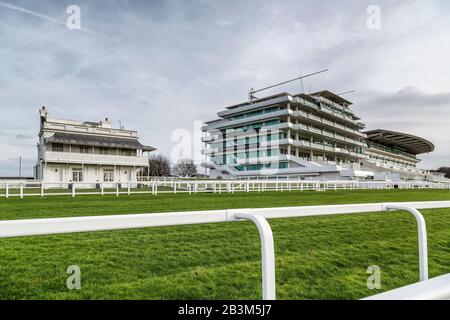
(435, 288)
(95, 158)
(155, 186)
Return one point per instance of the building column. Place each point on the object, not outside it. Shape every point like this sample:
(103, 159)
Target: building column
(289, 145)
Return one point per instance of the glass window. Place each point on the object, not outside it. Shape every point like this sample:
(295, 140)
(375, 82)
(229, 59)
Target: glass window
(253, 140)
(271, 122)
(57, 147)
(108, 175)
(230, 143)
(241, 155)
(283, 165)
(84, 149)
(77, 175)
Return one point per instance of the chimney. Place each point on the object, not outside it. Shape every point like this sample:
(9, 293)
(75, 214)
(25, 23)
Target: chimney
(106, 123)
(43, 112)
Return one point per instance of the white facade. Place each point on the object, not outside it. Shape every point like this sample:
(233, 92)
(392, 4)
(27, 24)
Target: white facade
(87, 152)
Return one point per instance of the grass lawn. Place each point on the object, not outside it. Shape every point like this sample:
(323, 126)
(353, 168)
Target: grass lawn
(316, 257)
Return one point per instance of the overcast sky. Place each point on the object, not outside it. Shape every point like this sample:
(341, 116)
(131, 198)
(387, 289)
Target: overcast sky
(160, 66)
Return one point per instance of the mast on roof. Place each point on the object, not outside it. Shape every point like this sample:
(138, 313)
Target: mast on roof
(347, 92)
(251, 94)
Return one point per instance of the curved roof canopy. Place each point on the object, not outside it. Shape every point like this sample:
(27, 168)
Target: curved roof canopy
(407, 142)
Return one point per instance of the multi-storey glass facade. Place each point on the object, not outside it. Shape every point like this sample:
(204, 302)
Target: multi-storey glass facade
(305, 134)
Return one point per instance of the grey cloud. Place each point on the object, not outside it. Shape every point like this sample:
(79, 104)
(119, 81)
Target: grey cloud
(413, 97)
(23, 137)
(178, 62)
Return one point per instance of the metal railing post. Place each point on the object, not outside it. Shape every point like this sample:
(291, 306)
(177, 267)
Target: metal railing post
(422, 237)
(267, 254)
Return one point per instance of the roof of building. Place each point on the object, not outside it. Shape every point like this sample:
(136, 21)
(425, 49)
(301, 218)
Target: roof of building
(98, 141)
(409, 143)
(331, 96)
(258, 100)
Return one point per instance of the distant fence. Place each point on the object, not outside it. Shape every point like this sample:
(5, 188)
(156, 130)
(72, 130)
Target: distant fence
(169, 185)
(437, 288)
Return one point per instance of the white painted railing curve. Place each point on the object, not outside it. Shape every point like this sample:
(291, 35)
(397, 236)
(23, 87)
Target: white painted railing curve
(35, 227)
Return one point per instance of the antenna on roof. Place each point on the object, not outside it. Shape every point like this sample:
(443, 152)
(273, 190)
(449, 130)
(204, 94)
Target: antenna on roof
(302, 89)
(341, 94)
(251, 94)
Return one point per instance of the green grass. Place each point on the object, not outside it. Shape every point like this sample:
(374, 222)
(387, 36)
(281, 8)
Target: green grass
(316, 257)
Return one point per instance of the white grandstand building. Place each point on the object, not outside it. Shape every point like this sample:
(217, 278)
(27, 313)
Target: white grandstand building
(310, 136)
(87, 152)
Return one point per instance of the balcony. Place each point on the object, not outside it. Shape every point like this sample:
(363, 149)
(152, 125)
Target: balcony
(263, 160)
(90, 158)
(210, 138)
(210, 151)
(341, 151)
(328, 123)
(207, 164)
(226, 123)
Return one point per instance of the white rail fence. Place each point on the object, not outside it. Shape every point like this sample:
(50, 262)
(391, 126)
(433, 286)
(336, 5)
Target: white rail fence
(37, 188)
(437, 288)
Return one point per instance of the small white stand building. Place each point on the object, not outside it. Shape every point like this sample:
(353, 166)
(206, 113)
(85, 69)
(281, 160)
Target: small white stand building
(89, 152)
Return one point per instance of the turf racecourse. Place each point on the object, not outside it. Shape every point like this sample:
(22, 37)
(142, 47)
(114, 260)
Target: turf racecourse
(316, 257)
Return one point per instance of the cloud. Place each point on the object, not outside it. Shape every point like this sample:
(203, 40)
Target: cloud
(23, 137)
(411, 97)
(413, 111)
(179, 62)
(48, 18)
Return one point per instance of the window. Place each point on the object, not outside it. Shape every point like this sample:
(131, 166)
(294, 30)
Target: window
(77, 175)
(108, 175)
(103, 151)
(57, 147)
(283, 165)
(126, 152)
(84, 149)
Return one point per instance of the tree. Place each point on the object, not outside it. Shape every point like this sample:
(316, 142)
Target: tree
(158, 166)
(185, 168)
(445, 170)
